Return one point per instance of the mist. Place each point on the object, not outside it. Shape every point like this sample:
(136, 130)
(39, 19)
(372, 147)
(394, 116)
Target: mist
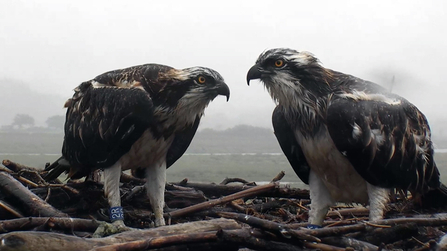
(49, 47)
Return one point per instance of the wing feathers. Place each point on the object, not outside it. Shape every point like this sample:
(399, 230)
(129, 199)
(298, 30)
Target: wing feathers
(387, 143)
(287, 141)
(97, 139)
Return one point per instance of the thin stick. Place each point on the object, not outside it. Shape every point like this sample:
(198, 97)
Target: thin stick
(278, 228)
(10, 209)
(211, 203)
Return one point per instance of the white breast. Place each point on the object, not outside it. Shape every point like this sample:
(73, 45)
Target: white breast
(337, 173)
(146, 151)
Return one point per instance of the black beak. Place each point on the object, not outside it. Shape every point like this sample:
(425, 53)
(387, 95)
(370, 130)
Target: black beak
(222, 89)
(253, 73)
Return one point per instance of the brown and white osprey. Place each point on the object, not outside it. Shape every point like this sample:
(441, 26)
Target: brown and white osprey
(141, 118)
(349, 139)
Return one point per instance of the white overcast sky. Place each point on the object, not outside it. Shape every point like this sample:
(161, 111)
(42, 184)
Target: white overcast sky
(55, 45)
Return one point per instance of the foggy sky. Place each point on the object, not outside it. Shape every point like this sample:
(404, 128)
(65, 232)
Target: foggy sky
(55, 45)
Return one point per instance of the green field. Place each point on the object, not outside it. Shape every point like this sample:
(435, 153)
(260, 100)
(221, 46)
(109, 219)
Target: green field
(211, 157)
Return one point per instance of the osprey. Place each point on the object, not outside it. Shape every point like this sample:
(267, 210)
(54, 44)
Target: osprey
(349, 139)
(141, 118)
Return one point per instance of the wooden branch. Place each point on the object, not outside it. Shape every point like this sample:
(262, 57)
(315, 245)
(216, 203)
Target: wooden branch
(67, 224)
(322, 247)
(227, 181)
(349, 242)
(356, 211)
(277, 228)
(437, 220)
(16, 167)
(377, 236)
(263, 207)
(244, 238)
(279, 176)
(28, 240)
(160, 242)
(34, 205)
(211, 190)
(6, 170)
(211, 203)
(10, 209)
(221, 190)
(36, 241)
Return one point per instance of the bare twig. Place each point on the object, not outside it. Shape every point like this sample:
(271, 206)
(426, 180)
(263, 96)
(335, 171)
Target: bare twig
(278, 228)
(233, 180)
(10, 209)
(208, 204)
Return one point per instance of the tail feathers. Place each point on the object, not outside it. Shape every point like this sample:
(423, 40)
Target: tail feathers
(57, 168)
(436, 198)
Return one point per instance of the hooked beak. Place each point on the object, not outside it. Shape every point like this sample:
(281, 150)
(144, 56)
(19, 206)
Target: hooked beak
(222, 89)
(253, 73)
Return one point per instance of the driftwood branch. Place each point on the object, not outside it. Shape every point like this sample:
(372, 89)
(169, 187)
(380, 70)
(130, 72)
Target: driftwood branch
(278, 228)
(68, 224)
(436, 220)
(245, 238)
(227, 181)
(208, 204)
(33, 205)
(16, 167)
(211, 190)
(160, 242)
(31, 240)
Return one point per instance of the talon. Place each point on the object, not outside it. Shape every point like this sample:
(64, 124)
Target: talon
(160, 222)
(105, 229)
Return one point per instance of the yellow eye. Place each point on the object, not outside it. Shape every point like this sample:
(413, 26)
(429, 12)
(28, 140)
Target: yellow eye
(201, 79)
(279, 63)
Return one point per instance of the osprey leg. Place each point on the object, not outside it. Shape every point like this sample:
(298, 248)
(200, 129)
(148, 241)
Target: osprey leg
(112, 192)
(155, 187)
(320, 200)
(378, 198)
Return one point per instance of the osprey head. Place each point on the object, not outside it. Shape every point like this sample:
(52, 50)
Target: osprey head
(207, 81)
(287, 72)
(188, 92)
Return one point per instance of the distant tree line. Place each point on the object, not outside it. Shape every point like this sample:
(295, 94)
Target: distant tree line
(26, 122)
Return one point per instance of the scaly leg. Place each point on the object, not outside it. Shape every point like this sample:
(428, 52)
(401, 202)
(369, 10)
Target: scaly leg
(112, 192)
(155, 187)
(112, 189)
(320, 200)
(378, 198)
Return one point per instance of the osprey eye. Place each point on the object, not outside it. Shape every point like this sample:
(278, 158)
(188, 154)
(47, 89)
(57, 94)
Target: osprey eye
(201, 79)
(279, 63)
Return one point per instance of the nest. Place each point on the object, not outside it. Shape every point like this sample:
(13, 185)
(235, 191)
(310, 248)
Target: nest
(233, 215)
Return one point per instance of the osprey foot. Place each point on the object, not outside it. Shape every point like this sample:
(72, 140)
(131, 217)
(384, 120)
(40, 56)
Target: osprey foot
(105, 229)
